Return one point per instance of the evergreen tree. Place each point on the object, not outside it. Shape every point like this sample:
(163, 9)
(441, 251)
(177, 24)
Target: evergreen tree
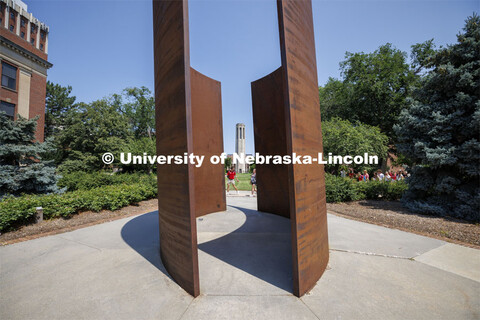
(441, 129)
(21, 167)
(57, 103)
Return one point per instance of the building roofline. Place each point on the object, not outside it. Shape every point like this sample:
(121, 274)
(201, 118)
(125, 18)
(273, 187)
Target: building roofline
(32, 56)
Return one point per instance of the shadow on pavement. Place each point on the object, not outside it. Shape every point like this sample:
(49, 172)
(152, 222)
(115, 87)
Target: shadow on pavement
(141, 234)
(260, 247)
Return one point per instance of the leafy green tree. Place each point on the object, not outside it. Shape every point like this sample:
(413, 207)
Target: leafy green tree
(341, 137)
(140, 110)
(91, 130)
(335, 99)
(22, 169)
(440, 131)
(422, 55)
(139, 146)
(373, 90)
(228, 163)
(57, 103)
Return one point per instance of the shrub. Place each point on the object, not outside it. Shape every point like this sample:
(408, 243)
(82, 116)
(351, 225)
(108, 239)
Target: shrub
(340, 189)
(88, 181)
(342, 137)
(384, 190)
(19, 211)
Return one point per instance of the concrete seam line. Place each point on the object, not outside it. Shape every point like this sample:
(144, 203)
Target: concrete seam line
(306, 305)
(372, 254)
(78, 242)
(419, 255)
(184, 311)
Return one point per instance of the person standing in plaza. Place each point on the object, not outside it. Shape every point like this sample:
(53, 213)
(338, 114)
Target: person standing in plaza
(381, 176)
(253, 181)
(231, 177)
(366, 176)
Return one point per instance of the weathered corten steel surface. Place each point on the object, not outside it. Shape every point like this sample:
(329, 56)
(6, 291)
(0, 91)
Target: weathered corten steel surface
(287, 120)
(207, 141)
(173, 114)
(304, 136)
(269, 127)
(286, 114)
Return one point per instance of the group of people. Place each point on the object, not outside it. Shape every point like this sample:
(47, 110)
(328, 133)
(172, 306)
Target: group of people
(231, 178)
(360, 176)
(377, 175)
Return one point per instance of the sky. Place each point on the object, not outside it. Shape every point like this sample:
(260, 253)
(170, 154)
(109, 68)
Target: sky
(104, 46)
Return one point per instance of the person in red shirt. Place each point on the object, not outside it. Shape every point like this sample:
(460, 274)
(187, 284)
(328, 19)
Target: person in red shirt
(231, 179)
(351, 174)
(394, 176)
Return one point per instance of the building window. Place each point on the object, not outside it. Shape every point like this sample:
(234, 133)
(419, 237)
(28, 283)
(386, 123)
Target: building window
(12, 27)
(42, 35)
(41, 46)
(22, 34)
(22, 23)
(12, 15)
(8, 108)
(9, 76)
(32, 29)
(32, 41)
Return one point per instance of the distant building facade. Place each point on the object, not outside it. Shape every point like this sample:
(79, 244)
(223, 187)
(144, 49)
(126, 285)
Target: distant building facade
(240, 147)
(23, 63)
(247, 166)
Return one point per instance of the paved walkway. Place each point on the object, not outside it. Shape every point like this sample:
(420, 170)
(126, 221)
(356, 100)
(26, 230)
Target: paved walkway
(113, 271)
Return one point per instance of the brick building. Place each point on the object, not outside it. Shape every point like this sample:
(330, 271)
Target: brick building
(23, 63)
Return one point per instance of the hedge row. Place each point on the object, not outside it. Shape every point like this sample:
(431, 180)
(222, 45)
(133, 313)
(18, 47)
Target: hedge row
(97, 191)
(19, 211)
(88, 181)
(340, 189)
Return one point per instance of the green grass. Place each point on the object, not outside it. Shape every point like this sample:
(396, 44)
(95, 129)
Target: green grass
(244, 182)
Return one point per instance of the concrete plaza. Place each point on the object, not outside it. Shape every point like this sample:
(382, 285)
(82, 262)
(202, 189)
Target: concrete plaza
(113, 271)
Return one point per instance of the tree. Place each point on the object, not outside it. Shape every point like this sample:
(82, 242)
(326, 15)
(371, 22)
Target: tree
(441, 129)
(421, 56)
(228, 163)
(91, 130)
(341, 137)
(335, 99)
(374, 88)
(140, 110)
(139, 146)
(22, 169)
(57, 103)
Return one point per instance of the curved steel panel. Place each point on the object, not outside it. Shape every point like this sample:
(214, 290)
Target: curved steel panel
(207, 141)
(173, 120)
(304, 136)
(270, 139)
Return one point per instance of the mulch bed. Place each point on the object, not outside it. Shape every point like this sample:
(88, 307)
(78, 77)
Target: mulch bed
(392, 214)
(389, 214)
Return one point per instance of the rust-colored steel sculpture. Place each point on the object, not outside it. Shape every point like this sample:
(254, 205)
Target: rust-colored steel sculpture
(286, 111)
(270, 133)
(207, 141)
(286, 119)
(186, 102)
